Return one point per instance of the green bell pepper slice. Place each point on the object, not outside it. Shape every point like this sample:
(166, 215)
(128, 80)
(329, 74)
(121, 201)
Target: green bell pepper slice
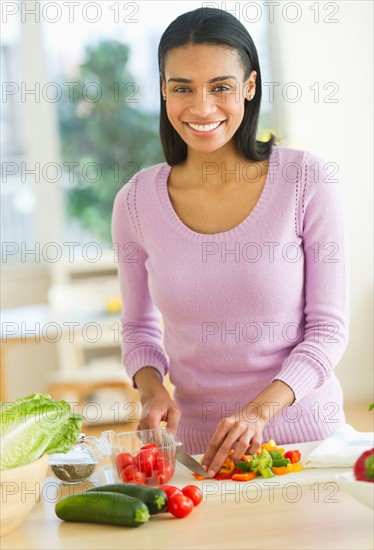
(278, 459)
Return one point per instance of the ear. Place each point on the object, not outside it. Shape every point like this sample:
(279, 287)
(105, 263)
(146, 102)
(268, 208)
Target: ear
(163, 85)
(250, 86)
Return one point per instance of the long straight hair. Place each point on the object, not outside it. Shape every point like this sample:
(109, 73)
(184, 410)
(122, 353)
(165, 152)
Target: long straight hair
(218, 27)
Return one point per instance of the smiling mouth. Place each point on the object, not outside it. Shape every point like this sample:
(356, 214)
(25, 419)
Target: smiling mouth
(204, 127)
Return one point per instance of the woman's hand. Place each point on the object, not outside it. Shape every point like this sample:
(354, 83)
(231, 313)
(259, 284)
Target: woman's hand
(242, 433)
(158, 407)
(157, 404)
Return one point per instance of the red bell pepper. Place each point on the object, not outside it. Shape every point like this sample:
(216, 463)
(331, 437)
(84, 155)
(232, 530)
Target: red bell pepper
(294, 456)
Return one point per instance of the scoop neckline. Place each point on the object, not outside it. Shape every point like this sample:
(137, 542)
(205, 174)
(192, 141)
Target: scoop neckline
(179, 226)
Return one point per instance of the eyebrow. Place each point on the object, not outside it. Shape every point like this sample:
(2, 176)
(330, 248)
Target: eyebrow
(215, 79)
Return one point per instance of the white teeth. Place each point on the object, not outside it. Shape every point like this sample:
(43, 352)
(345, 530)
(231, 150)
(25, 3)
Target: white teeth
(205, 127)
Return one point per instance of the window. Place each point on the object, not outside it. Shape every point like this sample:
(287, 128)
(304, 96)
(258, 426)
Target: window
(65, 52)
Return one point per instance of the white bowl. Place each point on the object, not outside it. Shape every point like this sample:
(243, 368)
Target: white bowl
(360, 490)
(19, 492)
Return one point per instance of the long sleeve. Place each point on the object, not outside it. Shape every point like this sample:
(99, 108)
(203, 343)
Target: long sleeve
(140, 320)
(321, 226)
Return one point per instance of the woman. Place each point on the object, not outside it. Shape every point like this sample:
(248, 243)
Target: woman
(240, 245)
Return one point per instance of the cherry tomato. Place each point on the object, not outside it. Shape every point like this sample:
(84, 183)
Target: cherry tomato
(123, 460)
(164, 472)
(145, 461)
(194, 493)
(132, 473)
(153, 451)
(170, 490)
(180, 506)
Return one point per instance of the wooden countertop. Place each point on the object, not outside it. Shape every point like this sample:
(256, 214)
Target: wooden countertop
(288, 515)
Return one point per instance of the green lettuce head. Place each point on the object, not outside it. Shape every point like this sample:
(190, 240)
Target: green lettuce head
(34, 426)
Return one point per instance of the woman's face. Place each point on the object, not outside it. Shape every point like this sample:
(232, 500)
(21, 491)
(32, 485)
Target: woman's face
(205, 91)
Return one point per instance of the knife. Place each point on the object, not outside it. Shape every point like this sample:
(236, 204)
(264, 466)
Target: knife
(190, 463)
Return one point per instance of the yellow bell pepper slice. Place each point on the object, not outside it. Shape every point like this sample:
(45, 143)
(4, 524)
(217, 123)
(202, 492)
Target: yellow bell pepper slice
(296, 467)
(227, 467)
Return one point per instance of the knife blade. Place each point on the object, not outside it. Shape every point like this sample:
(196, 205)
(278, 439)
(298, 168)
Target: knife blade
(190, 463)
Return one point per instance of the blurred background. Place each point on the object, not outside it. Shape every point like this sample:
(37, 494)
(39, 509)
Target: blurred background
(79, 116)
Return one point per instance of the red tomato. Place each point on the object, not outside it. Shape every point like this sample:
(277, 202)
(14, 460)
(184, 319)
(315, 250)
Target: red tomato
(149, 446)
(153, 451)
(170, 491)
(145, 461)
(132, 473)
(180, 506)
(194, 493)
(123, 460)
(164, 472)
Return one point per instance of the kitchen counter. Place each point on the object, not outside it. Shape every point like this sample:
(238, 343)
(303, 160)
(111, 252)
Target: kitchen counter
(267, 514)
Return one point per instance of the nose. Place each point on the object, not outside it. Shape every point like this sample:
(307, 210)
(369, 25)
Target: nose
(202, 105)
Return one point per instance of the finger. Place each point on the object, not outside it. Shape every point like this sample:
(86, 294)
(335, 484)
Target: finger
(173, 420)
(255, 443)
(223, 452)
(142, 424)
(241, 447)
(214, 445)
(153, 420)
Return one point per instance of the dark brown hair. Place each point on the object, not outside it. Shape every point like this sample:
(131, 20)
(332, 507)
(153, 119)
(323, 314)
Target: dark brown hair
(214, 26)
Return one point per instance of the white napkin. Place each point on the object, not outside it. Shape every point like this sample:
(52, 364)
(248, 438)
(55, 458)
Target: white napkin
(340, 449)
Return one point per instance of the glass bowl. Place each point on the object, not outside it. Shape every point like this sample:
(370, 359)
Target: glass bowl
(78, 464)
(143, 456)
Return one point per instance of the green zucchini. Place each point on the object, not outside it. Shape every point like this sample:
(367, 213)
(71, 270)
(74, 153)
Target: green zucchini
(155, 499)
(102, 507)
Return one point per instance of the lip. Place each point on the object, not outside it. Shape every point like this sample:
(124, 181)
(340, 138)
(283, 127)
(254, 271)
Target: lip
(209, 133)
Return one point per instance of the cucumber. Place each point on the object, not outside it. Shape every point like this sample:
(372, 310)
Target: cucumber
(103, 507)
(155, 499)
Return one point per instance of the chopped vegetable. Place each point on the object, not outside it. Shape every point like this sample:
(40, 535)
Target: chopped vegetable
(278, 459)
(244, 467)
(227, 467)
(270, 445)
(222, 476)
(268, 460)
(280, 471)
(295, 467)
(244, 477)
(294, 456)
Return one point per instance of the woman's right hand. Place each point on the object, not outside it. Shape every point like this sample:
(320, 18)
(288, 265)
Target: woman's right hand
(157, 404)
(159, 407)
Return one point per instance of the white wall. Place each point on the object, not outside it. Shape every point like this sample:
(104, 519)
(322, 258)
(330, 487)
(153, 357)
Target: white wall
(307, 52)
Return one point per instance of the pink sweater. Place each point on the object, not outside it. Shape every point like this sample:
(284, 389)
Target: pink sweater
(266, 300)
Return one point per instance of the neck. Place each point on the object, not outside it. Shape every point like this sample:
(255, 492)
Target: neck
(220, 168)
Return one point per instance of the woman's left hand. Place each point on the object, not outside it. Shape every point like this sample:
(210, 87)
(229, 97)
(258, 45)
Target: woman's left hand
(243, 433)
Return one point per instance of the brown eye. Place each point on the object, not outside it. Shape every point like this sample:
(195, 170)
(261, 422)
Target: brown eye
(221, 88)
